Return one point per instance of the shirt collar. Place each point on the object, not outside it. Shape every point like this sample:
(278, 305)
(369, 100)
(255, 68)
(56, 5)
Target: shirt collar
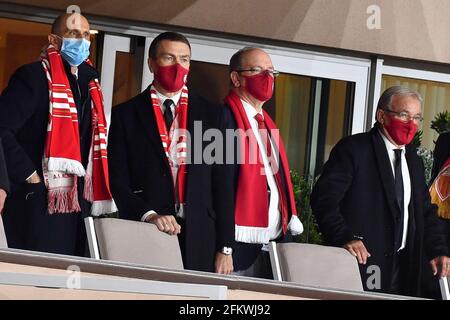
(83, 71)
(389, 144)
(250, 110)
(162, 98)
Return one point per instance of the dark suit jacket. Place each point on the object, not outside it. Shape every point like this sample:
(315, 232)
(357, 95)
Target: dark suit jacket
(24, 116)
(441, 153)
(4, 181)
(354, 197)
(141, 179)
(24, 108)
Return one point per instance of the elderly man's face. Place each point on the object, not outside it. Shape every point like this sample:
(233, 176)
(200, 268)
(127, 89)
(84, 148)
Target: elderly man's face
(73, 26)
(76, 26)
(404, 108)
(256, 61)
(255, 77)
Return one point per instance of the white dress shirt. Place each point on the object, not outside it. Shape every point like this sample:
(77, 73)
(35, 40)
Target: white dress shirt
(406, 183)
(162, 98)
(274, 212)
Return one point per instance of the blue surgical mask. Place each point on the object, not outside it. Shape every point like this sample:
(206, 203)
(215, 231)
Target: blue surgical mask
(75, 51)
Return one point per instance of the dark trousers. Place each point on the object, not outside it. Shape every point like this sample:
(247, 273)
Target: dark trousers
(399, 273)
(28, 225)
(251, 261)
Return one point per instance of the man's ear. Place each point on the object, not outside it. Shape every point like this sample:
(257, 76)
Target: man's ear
(379, 116)
(54, 41)
(235, 79)
(151, 65)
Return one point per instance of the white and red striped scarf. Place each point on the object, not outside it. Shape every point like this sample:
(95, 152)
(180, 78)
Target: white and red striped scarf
(174, 141)
(62, 156)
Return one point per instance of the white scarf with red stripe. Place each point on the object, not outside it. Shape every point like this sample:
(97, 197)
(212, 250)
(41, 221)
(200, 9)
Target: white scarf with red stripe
(62, 157)
(174, 141)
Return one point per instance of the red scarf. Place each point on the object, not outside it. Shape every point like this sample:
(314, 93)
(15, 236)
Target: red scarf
(251, 209)
(62, 157)
(175, 141)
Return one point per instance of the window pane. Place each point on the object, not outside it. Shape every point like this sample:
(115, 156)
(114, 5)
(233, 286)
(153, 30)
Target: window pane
(337, 114)
(309, 124)
(331, 120)
(209, 80)
(15, 36)
(128, 74)
(293, 99)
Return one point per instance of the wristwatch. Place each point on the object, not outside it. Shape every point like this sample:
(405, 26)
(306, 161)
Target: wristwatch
(227, 251)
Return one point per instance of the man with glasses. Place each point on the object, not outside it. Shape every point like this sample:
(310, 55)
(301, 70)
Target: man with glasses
(152, 178)
(265, 207)
(371, 199)
(54, 136)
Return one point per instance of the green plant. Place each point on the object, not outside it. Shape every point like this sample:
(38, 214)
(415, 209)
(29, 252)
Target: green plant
(417, 141)
(427, 158)
(441, 122)
(302, 185)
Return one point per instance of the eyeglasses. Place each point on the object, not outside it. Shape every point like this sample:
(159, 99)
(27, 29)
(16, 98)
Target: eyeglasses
(258, 70)
(75, 35)
(404, 116)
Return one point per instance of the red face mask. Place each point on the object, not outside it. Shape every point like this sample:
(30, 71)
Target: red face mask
(172, 78)
(401, 132)
(260, 86)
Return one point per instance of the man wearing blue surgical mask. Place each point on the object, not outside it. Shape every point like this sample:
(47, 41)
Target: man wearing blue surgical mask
(49, 158)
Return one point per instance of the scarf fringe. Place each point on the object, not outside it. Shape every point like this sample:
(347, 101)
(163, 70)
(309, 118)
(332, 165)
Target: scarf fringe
(63, 201)
(295, 226)
(88, 191)
(103, 207)
(65, 165)
(261, 235)
(252, 234)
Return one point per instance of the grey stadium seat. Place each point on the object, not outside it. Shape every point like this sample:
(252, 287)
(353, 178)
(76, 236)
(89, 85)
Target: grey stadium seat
(3, 242)
(445, 283)
(314, 265)
(132, 242)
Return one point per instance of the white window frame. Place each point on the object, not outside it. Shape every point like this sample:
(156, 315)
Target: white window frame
(405, 73)
(111, 45)
(292, 61)
(287, 60)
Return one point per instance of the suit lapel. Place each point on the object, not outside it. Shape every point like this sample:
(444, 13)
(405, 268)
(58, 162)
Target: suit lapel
(193, 115)
(384, 168)
(413, 167)
(148, 121)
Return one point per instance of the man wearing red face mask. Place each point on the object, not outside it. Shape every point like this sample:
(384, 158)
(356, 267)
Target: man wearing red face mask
(371, 199)
(152, 178)
(265, 206)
